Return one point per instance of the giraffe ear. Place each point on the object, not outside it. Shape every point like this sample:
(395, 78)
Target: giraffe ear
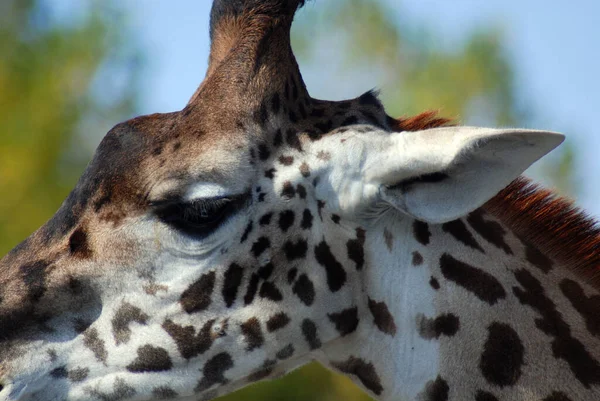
(446, 173)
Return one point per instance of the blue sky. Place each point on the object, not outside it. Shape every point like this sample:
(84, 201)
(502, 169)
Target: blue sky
(555, 45)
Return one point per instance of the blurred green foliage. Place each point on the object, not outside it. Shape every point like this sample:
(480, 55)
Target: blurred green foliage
(51, 107)
(50, 73)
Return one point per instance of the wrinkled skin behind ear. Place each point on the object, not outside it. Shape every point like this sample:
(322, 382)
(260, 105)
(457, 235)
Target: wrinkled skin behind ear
(436, 175)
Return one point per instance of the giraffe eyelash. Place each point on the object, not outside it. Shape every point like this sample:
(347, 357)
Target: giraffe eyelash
(198, 218)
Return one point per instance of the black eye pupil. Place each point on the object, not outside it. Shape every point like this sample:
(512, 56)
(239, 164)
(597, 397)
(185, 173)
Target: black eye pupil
(198, 218)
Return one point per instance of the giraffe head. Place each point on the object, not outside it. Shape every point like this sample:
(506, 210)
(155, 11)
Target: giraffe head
(209, 248)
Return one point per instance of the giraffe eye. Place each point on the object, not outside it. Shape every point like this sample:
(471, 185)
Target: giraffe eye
(200, 217)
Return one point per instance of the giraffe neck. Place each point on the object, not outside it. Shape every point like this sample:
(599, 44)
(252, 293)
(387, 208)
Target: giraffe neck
(473, 295)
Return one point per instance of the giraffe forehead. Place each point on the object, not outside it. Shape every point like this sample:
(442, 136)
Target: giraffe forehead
(162, 150)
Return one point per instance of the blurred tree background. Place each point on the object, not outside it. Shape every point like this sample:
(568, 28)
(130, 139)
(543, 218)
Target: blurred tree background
(63, 84)
(63, 81)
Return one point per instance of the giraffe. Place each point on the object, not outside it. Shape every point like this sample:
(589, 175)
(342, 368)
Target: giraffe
(259, 229)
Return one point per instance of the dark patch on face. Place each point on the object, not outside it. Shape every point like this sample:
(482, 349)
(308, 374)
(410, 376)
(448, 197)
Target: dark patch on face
(305, 290)
(78, 374)
(286, 160)
(294, 251)
(261, 197)
(125, 315)
(286, 352)
(233, 280)
(588, 307)
(503, 355)
(356, 250)
(164, 393)
(345, 321)
(277, 322)
(266, 219)
(252, 289)
(214, 371)
(92, 341)
(265, 271)
(459, 231)
(491, 231)
(292, 275)
(382, 317)
(247, 232)
(434, 283)
(286, 220)
(268, 290)
(309, 330)
(485, 396)
(557, 396)
(421, 232)
(564, 346)
(307, 220)
(198, 296)
(444, 325)
(270, 174)
(34, 276)
(189, 343)
(293, 140)
(436, 390)
(537, 258)
(157, 151)
(176, 146)
(364, 371)
(288, 191)
(417, 258)
(336, 275)
(78, 244)
(59, 373)
(151, 359)
(253, 334)
(261, 245)
(478, 282)
(305, 170)
(301, 190)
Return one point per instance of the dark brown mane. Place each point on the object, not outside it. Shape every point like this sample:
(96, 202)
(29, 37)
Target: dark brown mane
(552, 223)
